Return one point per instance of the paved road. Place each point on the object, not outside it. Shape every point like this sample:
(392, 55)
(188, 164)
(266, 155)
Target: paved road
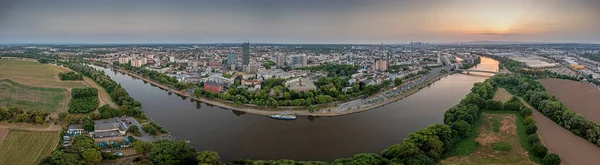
(432, 75)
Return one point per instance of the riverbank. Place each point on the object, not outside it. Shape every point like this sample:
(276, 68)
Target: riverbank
(329, 110)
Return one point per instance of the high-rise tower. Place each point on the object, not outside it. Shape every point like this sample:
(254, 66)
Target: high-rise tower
(246, 53)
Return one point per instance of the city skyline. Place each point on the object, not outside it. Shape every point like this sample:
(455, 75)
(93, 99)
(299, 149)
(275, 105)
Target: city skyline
(289, 22)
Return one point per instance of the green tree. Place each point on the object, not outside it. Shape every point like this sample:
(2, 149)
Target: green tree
(172, 152)
(142, 147)
(88, 125)
(38, 119)
(208, 158)
(539, 150)
(551, 159)
(84, 142)
(397, 81)
(91, 155)
(60, 157)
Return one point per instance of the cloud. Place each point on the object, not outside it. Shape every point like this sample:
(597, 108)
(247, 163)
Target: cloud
(494, 34)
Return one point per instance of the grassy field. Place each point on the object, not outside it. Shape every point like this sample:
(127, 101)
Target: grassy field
(33, 74)
(502, 95)
(21, 147)
(36, 74)
(506, 146)
(32, 98)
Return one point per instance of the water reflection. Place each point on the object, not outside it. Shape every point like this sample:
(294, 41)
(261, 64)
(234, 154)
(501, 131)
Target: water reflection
(306, 138)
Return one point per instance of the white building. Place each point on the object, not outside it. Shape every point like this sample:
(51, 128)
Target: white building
(123, 60)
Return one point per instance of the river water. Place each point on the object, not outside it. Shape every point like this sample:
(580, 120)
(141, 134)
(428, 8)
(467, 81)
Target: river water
(235, 134)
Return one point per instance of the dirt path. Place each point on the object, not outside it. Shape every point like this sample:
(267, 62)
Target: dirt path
(31, 127)
(572, 149)
(104, 97)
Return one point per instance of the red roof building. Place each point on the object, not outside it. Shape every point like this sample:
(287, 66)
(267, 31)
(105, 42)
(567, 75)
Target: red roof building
(213, 87)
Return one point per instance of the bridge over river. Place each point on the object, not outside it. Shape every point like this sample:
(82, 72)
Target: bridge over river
(481, 71)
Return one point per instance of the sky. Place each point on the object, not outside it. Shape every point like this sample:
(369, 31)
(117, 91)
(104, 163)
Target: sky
(298, 21)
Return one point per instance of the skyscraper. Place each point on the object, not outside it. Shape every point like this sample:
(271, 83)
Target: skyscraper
(232, 60)
(246, 53)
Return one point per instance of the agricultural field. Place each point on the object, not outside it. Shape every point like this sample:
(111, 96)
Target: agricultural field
(3, 134)
(498, 142)
(33, 74)
(22, 147)
(502, 95)
(36, 74)
(578, 96)
(32, 98)
(572, 149)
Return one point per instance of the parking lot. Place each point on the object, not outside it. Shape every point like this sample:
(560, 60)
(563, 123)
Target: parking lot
(433, 74)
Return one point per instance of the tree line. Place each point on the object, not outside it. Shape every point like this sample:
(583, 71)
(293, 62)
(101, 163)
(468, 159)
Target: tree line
(83, 151)
(84, 100)
(15, 114)
(70, 76)
(154, 75)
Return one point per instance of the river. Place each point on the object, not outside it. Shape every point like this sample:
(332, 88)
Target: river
(234, 134)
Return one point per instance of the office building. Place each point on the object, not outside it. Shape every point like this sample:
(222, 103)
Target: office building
(299, 61)
(280, 60)
(232, 60)
(246, 53)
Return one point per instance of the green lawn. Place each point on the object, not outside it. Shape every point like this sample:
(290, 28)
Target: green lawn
(22, 147)
(32, 98)
(467, 145)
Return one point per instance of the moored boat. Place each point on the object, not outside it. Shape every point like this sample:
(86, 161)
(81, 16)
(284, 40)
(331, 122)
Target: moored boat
(283, 117)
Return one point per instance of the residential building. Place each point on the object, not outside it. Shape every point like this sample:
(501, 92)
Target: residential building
(280, 60)
(232, 60)
(171, 59)
(299, 61)
(123, 60)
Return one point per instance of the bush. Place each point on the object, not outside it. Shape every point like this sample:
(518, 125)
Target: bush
(533, 139)
(531, 129)
(501, 146)
(539, 150)
(149, 129)
(70, 76)
(494, 105)
(513, 106)
(526, 111)
(134, 130)
(551, 159)
(528, 120)
(158, 127)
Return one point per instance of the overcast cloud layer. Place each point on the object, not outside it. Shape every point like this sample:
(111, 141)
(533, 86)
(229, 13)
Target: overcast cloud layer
(298, 21)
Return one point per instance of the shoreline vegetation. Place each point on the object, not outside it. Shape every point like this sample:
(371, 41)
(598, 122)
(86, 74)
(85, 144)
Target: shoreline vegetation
(297, 110)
